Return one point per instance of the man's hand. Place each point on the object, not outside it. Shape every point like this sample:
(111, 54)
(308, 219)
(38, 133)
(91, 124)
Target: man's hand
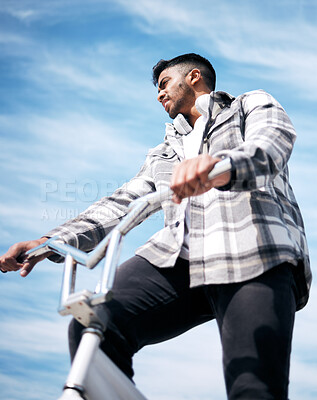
(13, 259)
(190, 177)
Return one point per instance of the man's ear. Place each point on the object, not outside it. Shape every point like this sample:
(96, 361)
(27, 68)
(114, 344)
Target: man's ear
(194, 76)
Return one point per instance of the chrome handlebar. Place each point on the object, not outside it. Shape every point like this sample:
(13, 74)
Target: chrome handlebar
(109, 248)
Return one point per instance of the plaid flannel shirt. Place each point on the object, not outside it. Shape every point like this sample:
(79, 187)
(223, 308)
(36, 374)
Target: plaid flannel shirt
(235, 234)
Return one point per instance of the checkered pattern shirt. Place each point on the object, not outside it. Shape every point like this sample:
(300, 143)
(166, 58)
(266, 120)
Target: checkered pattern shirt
(235, 234)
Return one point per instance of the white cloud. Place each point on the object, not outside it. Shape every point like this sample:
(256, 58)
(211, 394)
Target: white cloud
(97, 73)
(37, 337)
(23, 14)
(12, 39)
(303, 378)
(52, 11)
(239, 32)
(54, 145)
(33, 384)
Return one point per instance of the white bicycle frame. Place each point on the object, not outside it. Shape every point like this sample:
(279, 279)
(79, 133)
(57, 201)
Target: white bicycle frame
(93, 376)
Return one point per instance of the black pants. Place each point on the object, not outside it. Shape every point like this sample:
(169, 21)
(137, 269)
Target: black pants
(255, 320)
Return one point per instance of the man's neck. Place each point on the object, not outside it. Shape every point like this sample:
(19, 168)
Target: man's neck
(194, 113)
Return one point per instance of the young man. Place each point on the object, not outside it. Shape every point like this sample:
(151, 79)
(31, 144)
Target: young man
(232, 249)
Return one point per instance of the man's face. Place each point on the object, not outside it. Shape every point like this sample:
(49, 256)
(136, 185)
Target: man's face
(174, 92)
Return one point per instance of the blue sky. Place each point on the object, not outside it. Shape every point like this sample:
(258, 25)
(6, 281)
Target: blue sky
(78, 113)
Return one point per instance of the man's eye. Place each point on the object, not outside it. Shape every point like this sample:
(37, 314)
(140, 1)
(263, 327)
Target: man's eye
(164, 83)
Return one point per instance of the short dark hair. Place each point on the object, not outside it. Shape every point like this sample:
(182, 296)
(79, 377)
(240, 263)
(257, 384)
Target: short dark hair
(189, 61)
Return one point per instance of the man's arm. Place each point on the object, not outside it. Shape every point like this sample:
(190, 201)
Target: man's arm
(269, 137)
(268, 142)
(86, 230)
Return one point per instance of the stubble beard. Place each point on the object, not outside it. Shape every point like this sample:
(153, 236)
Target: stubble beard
(184, 97)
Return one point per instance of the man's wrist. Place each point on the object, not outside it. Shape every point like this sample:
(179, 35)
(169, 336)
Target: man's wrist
(233, 178)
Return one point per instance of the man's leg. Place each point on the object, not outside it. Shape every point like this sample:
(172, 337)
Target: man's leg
(255, 320)
(149, 305)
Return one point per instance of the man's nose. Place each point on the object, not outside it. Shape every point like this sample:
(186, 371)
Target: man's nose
(161, 96)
